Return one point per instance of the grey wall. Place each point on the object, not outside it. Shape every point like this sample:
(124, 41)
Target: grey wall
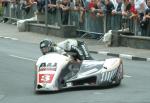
(129, 40)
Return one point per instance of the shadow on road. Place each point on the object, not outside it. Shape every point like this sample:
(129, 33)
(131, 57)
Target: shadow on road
(71, 89)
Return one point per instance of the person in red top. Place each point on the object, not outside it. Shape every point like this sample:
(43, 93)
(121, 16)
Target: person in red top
(91, 4)
(133, 11)
(96, 6)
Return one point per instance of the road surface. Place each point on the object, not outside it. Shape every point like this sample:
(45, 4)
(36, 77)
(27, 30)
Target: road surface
(17, 60)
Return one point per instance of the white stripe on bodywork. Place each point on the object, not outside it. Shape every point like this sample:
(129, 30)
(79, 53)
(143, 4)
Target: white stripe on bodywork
(103, 74)
(108, 79)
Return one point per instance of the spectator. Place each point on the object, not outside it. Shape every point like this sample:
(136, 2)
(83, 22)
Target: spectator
(27, 4)
(52, 6)
(116, 19)
(133, 15)
(145, 23)
(52, 12)
(125, 9)
(133, 11)
(65, 7)
(79, 6)
(40, 5)
(117, 5)
(91, 5)
(148, 4)
(5, 4)
(110, 10)
(97, 7)
(140, 6)
(147, 12)
(95, 23)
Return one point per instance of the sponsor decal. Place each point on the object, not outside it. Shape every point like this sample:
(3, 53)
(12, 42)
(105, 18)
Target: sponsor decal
(45, 78)
(49, 66)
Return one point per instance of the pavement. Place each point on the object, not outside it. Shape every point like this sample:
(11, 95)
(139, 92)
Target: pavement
(9, 31)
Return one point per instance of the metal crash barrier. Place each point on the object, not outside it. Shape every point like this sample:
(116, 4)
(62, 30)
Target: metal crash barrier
(92, 25)
(17, 11)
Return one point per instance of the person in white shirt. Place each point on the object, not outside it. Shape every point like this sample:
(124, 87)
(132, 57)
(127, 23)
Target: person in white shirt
(140, 6)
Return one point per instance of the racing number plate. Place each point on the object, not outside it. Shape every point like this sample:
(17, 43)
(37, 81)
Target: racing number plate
(45, 78)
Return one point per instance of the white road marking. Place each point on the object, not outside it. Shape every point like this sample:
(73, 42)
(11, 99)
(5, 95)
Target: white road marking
(24, 58)
(98, 93)
(127, 76)
(126, 56)
(8, 38)
(148, 59)
(102, 52)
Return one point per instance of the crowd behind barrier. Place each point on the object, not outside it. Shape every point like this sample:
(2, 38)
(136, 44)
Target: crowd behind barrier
(17, 11)
(85, 21)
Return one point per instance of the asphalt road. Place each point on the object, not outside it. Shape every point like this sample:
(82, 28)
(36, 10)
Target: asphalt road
(17, 61)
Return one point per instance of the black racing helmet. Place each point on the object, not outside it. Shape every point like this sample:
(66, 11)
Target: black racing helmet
(46, 46)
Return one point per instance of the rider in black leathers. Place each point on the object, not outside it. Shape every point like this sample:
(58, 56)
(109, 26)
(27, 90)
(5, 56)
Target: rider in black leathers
(69, 45)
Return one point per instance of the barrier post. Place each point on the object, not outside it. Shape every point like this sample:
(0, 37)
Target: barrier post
(10, 16)
(46, 16)
(135, 27)
(104, 19)
(69, 22)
